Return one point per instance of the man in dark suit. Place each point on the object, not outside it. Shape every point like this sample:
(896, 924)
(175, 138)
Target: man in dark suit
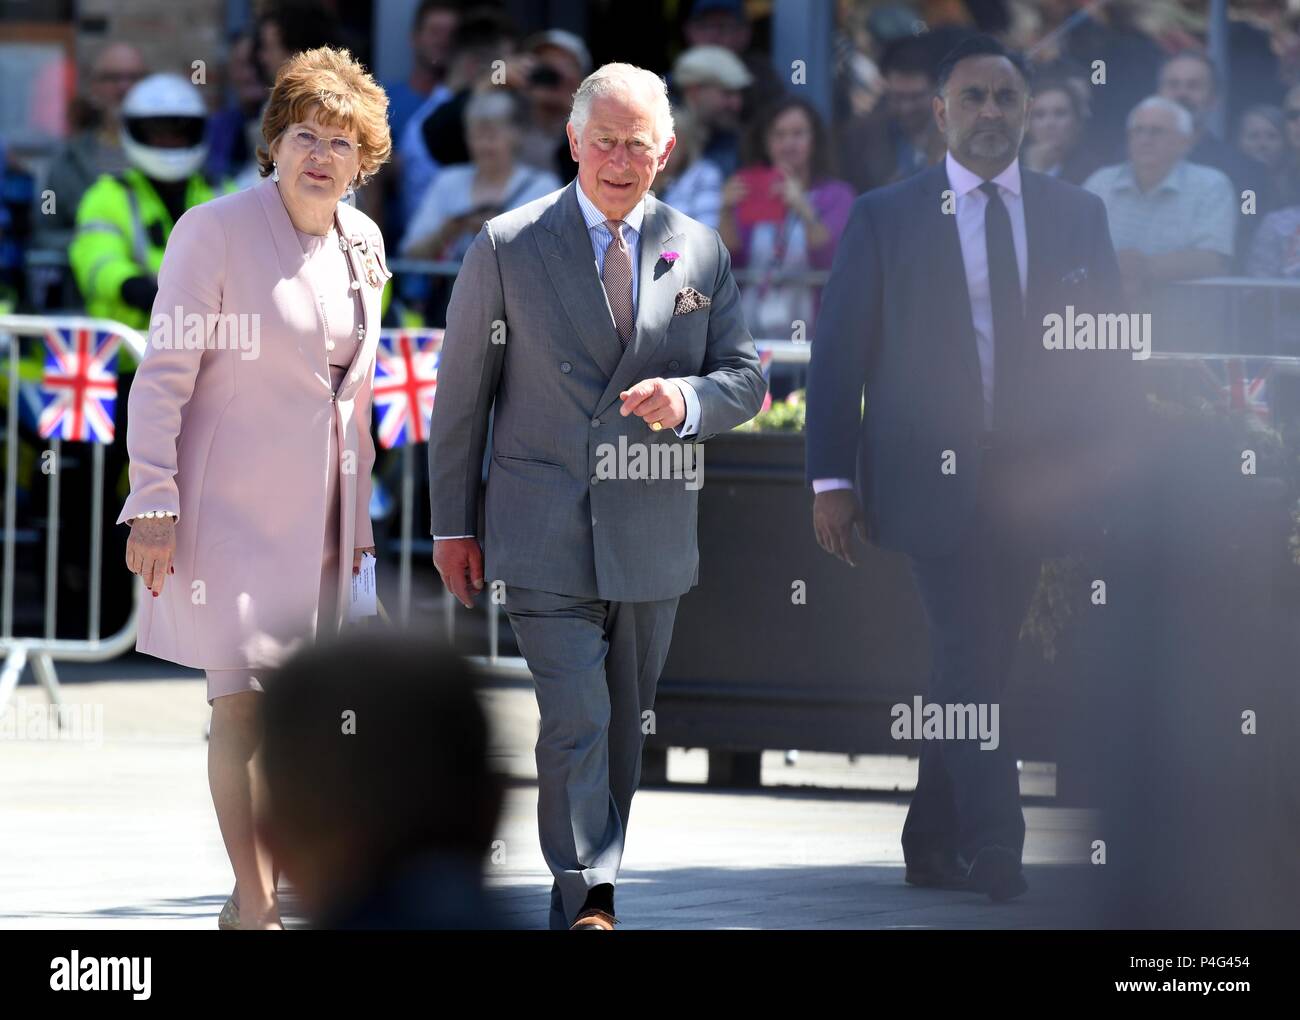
(980, 450)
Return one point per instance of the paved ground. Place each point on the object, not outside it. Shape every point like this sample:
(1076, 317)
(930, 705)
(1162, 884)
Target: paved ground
(122, 834)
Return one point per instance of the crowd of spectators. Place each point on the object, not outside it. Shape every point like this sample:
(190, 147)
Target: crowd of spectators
(1199, 169)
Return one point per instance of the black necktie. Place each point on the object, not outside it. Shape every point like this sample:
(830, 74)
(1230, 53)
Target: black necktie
(1004, 294)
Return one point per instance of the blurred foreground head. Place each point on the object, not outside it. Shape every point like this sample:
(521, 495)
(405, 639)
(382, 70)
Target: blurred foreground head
(380, 803)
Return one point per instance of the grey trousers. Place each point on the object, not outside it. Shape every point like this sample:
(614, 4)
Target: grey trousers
(595, 667)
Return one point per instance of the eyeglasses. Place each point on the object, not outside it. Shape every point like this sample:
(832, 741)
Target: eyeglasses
(307, 140)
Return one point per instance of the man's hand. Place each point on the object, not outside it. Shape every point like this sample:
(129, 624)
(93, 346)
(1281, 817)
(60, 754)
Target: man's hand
(836, 518)
(150, 550)
(655, 400)
(459, 562)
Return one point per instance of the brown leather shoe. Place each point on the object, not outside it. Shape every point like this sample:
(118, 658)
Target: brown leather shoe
(593, 919)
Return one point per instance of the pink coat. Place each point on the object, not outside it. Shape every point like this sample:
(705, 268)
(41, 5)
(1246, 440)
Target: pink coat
(237, 444)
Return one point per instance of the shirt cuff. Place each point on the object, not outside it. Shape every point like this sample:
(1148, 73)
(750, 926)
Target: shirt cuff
(692, 423)
(827, 484)
(439, 538)
(154, 514)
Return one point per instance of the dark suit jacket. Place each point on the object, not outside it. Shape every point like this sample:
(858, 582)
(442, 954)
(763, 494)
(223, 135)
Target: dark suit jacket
(895, 324)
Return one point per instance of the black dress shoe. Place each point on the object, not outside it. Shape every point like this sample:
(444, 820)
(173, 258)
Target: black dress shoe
(996, 871)
(936, 870)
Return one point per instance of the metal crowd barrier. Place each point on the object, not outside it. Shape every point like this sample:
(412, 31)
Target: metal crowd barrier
(42, 651)
(1234, 296)
(406, 543)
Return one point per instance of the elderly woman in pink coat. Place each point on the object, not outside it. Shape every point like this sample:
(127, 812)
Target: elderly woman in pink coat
(249, 427)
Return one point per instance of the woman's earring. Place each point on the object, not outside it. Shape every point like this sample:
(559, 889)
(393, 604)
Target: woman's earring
(275, 171)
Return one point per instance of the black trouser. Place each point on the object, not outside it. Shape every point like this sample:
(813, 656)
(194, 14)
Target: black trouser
(975, 598)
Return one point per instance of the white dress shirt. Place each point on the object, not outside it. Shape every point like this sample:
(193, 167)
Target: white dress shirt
(970, 206)
(601, 238)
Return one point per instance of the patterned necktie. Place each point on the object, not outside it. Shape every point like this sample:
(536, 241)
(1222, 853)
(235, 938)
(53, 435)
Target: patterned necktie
(1004, 295)
(616, 274)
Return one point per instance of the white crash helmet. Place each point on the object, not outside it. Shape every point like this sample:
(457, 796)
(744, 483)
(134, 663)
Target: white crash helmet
(171, 101)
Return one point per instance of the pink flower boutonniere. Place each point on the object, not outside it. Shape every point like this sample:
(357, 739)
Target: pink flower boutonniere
(670, 256)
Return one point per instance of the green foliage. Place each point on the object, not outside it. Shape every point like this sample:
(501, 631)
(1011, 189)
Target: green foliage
(785, 416)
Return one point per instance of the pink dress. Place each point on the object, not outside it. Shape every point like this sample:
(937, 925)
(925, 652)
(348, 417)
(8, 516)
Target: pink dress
(237, 415)
(341, 314)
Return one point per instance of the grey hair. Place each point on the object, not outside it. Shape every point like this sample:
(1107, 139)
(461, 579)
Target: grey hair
(1182, 117)
(623, 80)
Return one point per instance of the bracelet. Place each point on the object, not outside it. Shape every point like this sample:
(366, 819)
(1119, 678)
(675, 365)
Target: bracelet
(155, 513)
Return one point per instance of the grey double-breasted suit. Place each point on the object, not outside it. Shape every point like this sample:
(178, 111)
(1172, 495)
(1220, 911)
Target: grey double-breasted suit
(592, 566)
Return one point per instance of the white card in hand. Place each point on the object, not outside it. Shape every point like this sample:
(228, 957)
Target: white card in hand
(364, 594)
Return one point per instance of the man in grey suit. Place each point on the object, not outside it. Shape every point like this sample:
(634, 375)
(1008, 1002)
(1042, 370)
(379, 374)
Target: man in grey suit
(606, 329)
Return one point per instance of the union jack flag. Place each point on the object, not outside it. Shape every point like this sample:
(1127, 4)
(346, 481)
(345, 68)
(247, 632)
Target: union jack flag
(406, 377)
(79, 386)
(1240, 384)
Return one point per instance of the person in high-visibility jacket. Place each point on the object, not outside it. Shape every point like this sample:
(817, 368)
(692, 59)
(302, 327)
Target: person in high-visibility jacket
(123, 222)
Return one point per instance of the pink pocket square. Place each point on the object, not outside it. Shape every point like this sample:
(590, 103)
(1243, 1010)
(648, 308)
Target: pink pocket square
(688, 300)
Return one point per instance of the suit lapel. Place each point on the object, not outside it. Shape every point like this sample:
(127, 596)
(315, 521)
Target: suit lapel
(656, 292)
(292, 261)
(287, 247)
(950, 271)
(570, 263)
(1035, 240)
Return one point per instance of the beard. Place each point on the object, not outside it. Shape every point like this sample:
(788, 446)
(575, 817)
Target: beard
(988, 145)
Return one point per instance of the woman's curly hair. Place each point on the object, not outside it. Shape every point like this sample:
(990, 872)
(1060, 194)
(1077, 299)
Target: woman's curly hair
(342, 93)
